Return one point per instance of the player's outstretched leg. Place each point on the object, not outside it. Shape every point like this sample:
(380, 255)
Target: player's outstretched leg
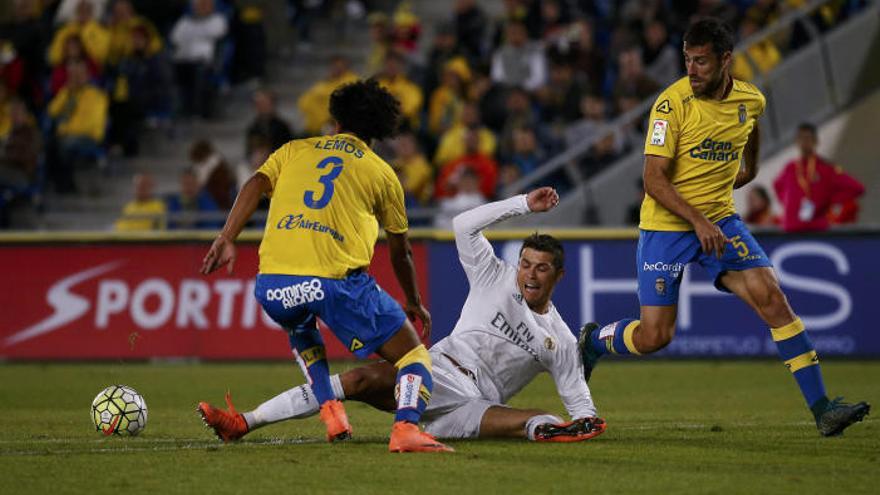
(228, 425)
(413, 391)
(595, 342)
(312, 357)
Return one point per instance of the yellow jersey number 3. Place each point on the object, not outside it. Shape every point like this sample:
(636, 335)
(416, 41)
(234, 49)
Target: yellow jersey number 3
(327, 181)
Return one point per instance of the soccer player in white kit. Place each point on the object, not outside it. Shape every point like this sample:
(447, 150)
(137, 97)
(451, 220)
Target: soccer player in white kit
(508, 332)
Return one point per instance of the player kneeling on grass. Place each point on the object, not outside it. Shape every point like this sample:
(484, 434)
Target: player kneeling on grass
(508, 332)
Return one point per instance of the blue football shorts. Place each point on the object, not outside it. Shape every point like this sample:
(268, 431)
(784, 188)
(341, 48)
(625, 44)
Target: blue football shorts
(357, 310)
(662, 256)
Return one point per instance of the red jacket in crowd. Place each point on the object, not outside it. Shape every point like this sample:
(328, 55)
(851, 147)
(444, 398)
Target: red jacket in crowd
(809, 189)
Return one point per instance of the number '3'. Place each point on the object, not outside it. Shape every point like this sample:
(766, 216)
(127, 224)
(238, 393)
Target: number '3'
(327, 180)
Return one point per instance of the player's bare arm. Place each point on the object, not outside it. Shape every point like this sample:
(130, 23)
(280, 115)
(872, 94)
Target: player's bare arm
(222, 251)
(749, 170)
(400, 252)
(657, 184)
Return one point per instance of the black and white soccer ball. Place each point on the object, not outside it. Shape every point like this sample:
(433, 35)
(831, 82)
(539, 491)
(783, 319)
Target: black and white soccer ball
(119, 410)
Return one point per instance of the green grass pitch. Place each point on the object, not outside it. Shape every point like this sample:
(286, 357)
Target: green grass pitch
(674, 427)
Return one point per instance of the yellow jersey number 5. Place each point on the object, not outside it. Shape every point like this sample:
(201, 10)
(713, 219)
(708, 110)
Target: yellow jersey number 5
(327, 181)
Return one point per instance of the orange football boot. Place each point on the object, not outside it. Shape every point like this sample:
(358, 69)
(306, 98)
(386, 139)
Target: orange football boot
(406, 437)
(229, 425)
(334, 417)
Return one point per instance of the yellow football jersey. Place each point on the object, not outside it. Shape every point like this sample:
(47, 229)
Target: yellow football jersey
(329, 194)
(705, 139)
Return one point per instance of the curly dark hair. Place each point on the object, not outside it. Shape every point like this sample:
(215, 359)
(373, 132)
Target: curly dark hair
(365, 109)
(547, 244)
(710, 30)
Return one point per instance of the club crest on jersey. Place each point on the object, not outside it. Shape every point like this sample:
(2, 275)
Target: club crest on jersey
(549, 344)
(742, 114)
(660, 286)
(518, 298)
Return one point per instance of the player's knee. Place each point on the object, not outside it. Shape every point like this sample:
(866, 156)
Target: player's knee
(769, 299)
(356, 382)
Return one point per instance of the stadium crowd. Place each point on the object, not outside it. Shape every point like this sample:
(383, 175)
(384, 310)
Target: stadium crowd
(485, 100)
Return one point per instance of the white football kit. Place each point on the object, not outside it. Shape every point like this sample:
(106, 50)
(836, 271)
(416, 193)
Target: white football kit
(498, 345)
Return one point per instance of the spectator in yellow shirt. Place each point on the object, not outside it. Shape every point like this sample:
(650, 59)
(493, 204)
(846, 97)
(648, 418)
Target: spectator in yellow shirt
(79, 112)
(94, 36)
(453, 142)
(763, 53)
(416, 175)
(145, 211)
(407, 93)
(123, 22)
(314, 103)
(444, 107)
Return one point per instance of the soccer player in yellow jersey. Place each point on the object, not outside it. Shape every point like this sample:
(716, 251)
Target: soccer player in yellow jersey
(701, 144)
(328, 196)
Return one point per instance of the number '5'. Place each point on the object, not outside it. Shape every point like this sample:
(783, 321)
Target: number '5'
(327, 180)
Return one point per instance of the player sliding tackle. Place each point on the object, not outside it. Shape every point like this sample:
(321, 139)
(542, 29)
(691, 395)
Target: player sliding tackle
(329, 194)
(508, 332)
(702, 127)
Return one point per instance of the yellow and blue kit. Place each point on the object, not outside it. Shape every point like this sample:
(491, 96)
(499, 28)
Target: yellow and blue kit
(329, 194)
(705, 139)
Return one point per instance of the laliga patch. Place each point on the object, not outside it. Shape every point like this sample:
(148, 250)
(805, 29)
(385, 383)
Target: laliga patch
(607, 331)
(409, 391)
(658, 132)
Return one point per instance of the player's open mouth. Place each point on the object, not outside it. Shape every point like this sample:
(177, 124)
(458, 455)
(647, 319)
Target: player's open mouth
(531, 287)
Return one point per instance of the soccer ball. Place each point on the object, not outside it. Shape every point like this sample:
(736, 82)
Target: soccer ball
(119, 410)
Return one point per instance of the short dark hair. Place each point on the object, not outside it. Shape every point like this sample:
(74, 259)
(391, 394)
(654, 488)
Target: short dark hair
(807, 126)
(547, 244)
(710, 30)
(366, 109)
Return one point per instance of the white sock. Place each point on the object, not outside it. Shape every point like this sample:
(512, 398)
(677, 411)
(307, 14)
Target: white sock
(296, 403)
(541, 419)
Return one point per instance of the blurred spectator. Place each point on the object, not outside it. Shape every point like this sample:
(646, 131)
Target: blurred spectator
(79, 111)
(142, 88)
(73, 51)
(191, 207)
(554, 24)
(302, 16)
(470, 28)
(809, 186)
(380, 38)
(260, 151)
(593, 121)
(212, 172)
(527, 155)
(267, 125)
(314, 103)
(447, 101)
(95, 37)
(145, 211)
(123, 22)
(28, 37)
(519, 62)
(759, 212)
(661, 59)
(416, 174)
(467, 196)
(68, 9)
(454, 142)
(195, 37)
(393, 78)
(519, 113)
(20, 145)
(631, 76)
(560, 97)
(444, 48)
(249, 33)
(406, 28)
(11, 67)
(587, 58)
(763, 54)
(720, 9)
(480, 163)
